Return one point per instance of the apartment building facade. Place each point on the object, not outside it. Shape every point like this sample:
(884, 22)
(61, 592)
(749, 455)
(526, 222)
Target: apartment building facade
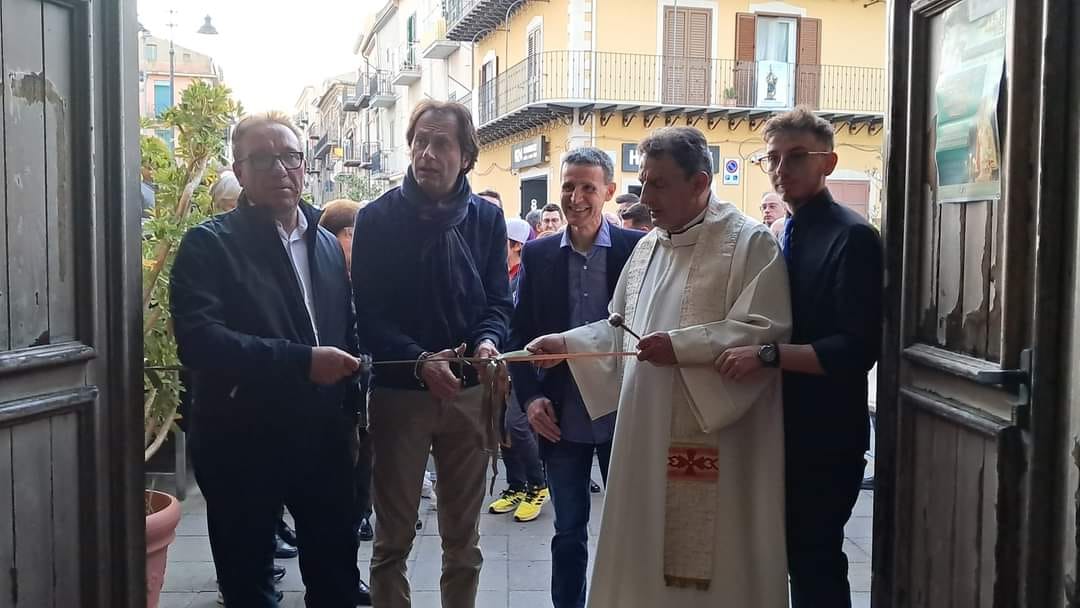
(155, 88)
(405, 57)
(559, 75)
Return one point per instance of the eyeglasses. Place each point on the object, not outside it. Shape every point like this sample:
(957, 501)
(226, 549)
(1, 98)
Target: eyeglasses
(769, 163)
(264, 162)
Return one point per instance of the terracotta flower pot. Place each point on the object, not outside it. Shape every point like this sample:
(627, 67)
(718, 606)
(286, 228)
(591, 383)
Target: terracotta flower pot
(163, 515)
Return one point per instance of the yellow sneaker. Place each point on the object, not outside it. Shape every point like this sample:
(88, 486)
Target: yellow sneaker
(530, 507)
(507, 501)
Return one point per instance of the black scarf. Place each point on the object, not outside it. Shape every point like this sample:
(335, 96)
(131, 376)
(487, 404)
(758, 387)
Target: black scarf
(449, 281)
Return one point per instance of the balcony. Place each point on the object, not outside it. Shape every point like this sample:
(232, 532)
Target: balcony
(435, 43)
(380, 91)
(364, 155)
(390, 164)
(470, 20)
(551, 85)
(322, 147)
(407, 67)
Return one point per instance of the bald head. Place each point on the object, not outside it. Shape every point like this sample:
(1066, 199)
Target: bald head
(772, 208)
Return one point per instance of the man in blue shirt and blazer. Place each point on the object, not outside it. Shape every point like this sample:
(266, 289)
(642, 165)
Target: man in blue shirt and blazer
(567, 280)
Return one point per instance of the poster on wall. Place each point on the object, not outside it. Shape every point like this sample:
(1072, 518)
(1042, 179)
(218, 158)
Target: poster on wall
(968, 148)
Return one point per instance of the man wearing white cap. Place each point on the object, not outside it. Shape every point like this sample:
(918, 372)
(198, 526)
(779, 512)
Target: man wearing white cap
(526, 491)
(517, 233)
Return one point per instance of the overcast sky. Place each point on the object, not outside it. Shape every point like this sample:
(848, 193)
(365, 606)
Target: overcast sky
(269, 49)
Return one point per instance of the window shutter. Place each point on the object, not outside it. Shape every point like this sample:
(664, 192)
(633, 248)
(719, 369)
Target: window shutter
(745, 55)
(745, 33)
(699, 54)
(674, 59)
(808, 60)
(698, 34)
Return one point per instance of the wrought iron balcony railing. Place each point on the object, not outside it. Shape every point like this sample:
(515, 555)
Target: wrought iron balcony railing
(621, 79)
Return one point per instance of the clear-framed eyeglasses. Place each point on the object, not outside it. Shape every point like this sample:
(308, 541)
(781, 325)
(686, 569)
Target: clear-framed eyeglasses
(264, 162)
(770, 163)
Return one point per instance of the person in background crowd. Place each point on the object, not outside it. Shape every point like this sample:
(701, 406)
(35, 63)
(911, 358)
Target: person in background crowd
(835, 267)
(551, 218)
(492, 197)
(772, 208)
(440, 290)
(567, 282)
(339, 217)
(533, 217)
(625, 201)
(637, 217)
(275, 395)
(526, 491)
(225, 192)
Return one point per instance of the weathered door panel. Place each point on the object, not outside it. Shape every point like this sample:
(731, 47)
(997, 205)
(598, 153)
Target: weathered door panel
(965, 395)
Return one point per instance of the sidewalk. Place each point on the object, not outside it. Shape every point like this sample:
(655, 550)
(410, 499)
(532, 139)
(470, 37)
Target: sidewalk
(517, 560)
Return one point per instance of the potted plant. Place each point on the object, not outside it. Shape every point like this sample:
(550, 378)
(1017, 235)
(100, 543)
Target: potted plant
(180, 178)
(731, 97)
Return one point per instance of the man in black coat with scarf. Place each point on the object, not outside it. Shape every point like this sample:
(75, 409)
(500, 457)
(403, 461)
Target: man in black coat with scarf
(262, 309)
(431, 283)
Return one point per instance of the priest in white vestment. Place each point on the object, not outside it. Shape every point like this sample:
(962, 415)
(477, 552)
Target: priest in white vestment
(694, 514)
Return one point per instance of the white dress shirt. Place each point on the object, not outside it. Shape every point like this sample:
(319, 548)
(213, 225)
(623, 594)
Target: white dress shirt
(296, 249)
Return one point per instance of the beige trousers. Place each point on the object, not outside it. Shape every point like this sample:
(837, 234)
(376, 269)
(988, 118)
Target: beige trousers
(405, 426)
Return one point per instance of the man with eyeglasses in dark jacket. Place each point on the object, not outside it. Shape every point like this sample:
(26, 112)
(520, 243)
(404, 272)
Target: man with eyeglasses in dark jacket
(262, 308)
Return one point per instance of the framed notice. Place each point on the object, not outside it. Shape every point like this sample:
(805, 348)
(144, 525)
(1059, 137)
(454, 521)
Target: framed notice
(967, 147)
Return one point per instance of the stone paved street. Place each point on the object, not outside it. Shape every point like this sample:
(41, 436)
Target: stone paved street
(517, 560)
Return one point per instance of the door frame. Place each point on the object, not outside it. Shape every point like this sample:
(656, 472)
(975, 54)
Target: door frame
(119, 443)
(1042, 144)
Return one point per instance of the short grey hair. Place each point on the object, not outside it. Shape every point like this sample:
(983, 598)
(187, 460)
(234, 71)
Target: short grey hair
(592, 157)
(254, 121)
(685, 145)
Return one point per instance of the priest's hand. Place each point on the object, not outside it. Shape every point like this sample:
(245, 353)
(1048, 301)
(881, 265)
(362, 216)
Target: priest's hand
(331, 365)
(438, 378)
(739, 363)
(656, 348)
(541, 416)
(551, 344)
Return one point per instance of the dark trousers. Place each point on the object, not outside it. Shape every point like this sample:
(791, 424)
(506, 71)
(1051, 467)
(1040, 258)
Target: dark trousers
(247, 476)
(569, 468)
(363, 478)
(522, 458)
(821, 493)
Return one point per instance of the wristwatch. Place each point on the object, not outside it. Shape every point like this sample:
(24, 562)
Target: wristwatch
(769, 354)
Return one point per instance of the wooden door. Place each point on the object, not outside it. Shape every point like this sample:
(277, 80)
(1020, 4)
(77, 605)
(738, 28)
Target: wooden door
(808, 63)
(687, 61)
(745, 59)
(968, 416)
(852, 193)
(71, 522)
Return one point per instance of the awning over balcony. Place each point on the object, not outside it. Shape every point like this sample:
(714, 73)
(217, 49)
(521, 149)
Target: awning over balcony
(551, 85)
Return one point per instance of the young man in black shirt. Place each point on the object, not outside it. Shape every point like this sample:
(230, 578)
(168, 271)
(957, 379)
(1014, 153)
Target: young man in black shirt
(834, 262)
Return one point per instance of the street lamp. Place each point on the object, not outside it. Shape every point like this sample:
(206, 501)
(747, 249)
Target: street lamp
(207, 29)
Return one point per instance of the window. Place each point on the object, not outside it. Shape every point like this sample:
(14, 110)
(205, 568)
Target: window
(187, 57)
(151, 53)
(687, 55)
(488, 98)
(777, 60)
(532, 52)
(162, 98)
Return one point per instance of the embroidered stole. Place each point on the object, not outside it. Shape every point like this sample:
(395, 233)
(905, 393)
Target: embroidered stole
(692, 483)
